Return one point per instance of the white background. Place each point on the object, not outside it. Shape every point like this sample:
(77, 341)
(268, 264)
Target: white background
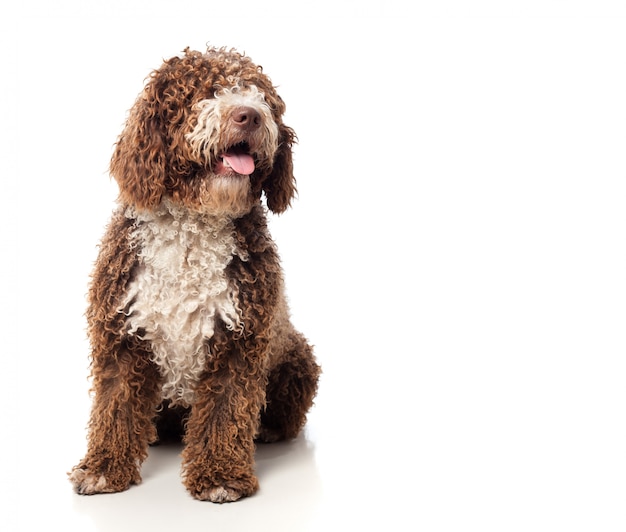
(456, 255)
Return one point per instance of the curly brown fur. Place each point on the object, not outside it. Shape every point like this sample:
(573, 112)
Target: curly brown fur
(187, 318)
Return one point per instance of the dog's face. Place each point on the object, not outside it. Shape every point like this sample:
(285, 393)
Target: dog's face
(206, 132)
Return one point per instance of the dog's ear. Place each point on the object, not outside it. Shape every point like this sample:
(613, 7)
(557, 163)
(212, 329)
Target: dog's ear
(139, 160)
(280, 185)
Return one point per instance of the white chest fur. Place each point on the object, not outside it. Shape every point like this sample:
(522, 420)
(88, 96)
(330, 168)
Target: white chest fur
(179, 290)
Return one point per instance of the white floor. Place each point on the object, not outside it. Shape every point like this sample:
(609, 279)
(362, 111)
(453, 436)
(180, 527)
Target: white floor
(456, 254)
(291, 486)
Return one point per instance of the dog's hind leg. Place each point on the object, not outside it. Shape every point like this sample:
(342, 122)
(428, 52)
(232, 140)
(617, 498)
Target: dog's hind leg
(292, 385)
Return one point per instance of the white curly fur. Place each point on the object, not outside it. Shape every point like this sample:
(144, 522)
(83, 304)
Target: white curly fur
(179, 290)
(205, 139)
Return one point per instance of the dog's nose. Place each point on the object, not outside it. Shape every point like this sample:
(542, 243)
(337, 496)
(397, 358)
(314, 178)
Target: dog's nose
(246, 118)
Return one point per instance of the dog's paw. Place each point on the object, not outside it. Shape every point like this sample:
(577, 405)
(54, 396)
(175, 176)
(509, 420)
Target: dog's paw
(86, 483)
(219, 494)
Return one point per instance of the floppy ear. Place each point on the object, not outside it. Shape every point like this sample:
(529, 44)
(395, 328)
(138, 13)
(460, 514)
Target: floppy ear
(280, 185)
(138, 163)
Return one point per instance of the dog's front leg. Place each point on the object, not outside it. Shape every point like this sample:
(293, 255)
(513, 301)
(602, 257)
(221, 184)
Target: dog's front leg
(126, 387)
(218, 459)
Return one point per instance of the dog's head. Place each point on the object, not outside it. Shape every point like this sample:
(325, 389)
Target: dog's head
(206, 132)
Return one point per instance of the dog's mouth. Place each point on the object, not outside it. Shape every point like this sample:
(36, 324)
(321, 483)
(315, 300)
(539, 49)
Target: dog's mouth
(236, 159)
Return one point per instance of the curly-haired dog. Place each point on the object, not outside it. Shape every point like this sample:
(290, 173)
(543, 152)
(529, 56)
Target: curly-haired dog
(187, 316)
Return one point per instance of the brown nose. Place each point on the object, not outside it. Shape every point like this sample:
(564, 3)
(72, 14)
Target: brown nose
(246, 118)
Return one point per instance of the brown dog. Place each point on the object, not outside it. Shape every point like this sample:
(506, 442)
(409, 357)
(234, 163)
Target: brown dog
(187, 316)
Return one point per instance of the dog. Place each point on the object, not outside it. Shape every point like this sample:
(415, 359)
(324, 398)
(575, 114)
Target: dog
(187, 317)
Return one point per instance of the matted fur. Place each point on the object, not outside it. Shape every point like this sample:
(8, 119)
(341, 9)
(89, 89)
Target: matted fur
(187, 318)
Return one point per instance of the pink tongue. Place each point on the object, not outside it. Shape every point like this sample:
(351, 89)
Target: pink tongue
(242, 163)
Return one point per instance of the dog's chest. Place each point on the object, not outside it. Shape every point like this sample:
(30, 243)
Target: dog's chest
(179, 290)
